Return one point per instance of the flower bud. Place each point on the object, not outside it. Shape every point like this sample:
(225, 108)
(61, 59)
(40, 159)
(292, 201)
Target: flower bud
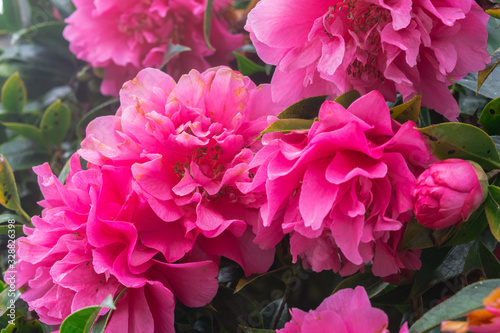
(448, 192)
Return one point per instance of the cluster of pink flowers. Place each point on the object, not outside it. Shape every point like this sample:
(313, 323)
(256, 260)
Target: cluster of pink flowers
(176, 179)
(157, 206)
(332, 46)
(346, 311)
(128, 35)
(342, 190)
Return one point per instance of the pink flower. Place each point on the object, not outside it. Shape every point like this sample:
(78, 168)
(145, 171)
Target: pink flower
(346, 311)
(343, 189)
(126, 36)
(183, 148)
(61, 270)
(448, 192)
(333, 46)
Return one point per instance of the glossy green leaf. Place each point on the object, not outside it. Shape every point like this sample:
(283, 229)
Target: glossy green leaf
(245, 281)
(18, 229)
(14, 94)
(347, 98)
(234, 309)
(418, 237)
(27, 130)
(10, 19)
(439, 265)
(407, 111)
(207, 23)
(481, 257)
(494, 12)
(458, 140)
(55, 122)
(7, 296)
(372, 284)
(171, 51)
(288, 125)
(492, 209)
(466, 300)
(102, 321)
(490, 117)
(307, 108)
(9, 197)
(255, 330)
(49, 34)
(5, 218)
(483, 75)
(23, 153)
(82, 320)
(470, 229)
(246, 66)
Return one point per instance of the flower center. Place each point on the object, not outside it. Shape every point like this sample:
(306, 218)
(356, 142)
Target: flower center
(359, 23)
(207, 158)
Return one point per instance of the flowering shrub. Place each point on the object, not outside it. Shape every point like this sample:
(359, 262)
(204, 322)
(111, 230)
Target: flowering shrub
(345, 188)
(202, 200)
(126, 36)
(334, 46)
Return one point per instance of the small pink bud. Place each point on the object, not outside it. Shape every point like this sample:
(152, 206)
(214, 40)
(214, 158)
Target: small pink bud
(448, 192)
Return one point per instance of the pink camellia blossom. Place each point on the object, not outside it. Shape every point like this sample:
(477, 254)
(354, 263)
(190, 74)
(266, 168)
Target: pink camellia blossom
(186, 146)
(342, 190)
(61, 271)
(128, 35)
(346, 311)
(333, 46)
(448, 192)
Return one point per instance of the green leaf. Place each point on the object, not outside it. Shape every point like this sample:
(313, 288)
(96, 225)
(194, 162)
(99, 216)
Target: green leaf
(492, 209)
(29, 131)
(64, 7)
(372, 284)
(18, 229)
(255, 330)
(458, 140)
(466, 300)
(10, 19)
(490, 117)
(23, 153)
(481, 257)
(233, 309)
(101, 322)
(407, 111)
(245, 281)
(494, 12)
(49, 34)
(347, 98)
(4, 218)
(6, 296)
(55, 122)
(271, 312)
(439, 265)
(307, 108)
(9, 197)
(20, 324)
(483, 75)
(288, 125)
(171, 51)
(246, 66)
(418, 237)
(470, 229)
(82, 320)
(14, 94)
(207, 23)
